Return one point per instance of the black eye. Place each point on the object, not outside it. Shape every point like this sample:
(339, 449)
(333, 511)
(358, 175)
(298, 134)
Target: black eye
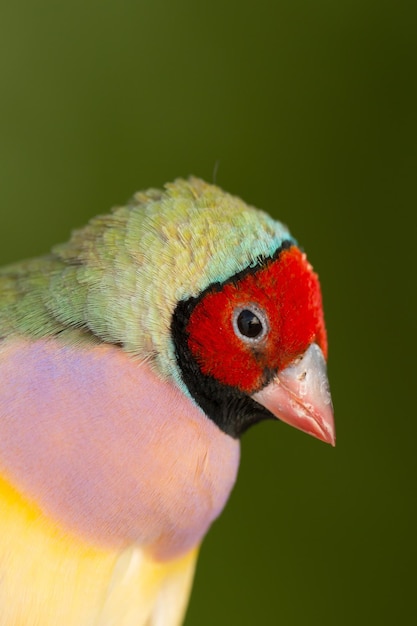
(250, 323)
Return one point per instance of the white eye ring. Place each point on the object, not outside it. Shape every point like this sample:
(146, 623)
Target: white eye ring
(250, 323)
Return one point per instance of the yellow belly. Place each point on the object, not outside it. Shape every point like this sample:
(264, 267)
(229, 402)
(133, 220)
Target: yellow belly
(49, 578)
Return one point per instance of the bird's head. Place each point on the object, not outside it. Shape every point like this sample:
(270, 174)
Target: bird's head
(215, 294)
(254, 346)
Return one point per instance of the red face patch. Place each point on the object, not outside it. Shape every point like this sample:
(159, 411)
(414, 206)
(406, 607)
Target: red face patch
(286, 295)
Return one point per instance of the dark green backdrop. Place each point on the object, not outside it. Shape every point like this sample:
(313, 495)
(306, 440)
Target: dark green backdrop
(306, 109)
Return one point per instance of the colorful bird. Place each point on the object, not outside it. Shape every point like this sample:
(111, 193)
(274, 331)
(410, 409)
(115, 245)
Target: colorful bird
(132, 358)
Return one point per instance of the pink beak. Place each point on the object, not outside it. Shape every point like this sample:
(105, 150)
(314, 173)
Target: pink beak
(300, 396)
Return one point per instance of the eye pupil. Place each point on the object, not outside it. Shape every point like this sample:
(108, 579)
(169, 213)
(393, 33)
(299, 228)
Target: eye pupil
(249, 323)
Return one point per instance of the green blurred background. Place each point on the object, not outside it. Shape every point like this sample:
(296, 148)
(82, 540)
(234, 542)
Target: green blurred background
(308, 110)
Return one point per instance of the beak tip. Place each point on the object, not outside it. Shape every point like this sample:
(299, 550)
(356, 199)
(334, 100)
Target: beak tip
(325, 423)
(331, 439)
(320, 429)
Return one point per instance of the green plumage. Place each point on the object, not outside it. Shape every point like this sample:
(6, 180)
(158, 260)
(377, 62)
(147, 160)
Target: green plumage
(119, 278)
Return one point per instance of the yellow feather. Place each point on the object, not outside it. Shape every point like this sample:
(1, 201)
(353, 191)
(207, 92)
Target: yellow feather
(48, 577)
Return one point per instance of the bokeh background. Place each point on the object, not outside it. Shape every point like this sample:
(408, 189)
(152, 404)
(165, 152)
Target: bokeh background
(308, 110)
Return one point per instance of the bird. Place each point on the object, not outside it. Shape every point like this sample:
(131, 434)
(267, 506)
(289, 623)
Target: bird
(132, 359)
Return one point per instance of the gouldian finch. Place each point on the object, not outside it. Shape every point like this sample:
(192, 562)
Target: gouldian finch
(132, 359)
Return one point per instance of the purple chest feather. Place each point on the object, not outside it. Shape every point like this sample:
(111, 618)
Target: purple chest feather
(109, 451)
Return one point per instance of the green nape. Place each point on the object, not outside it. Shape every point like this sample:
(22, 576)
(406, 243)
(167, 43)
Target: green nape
(120, 277)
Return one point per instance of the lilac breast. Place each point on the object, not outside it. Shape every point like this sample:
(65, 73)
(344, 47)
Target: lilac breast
(109, 451)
